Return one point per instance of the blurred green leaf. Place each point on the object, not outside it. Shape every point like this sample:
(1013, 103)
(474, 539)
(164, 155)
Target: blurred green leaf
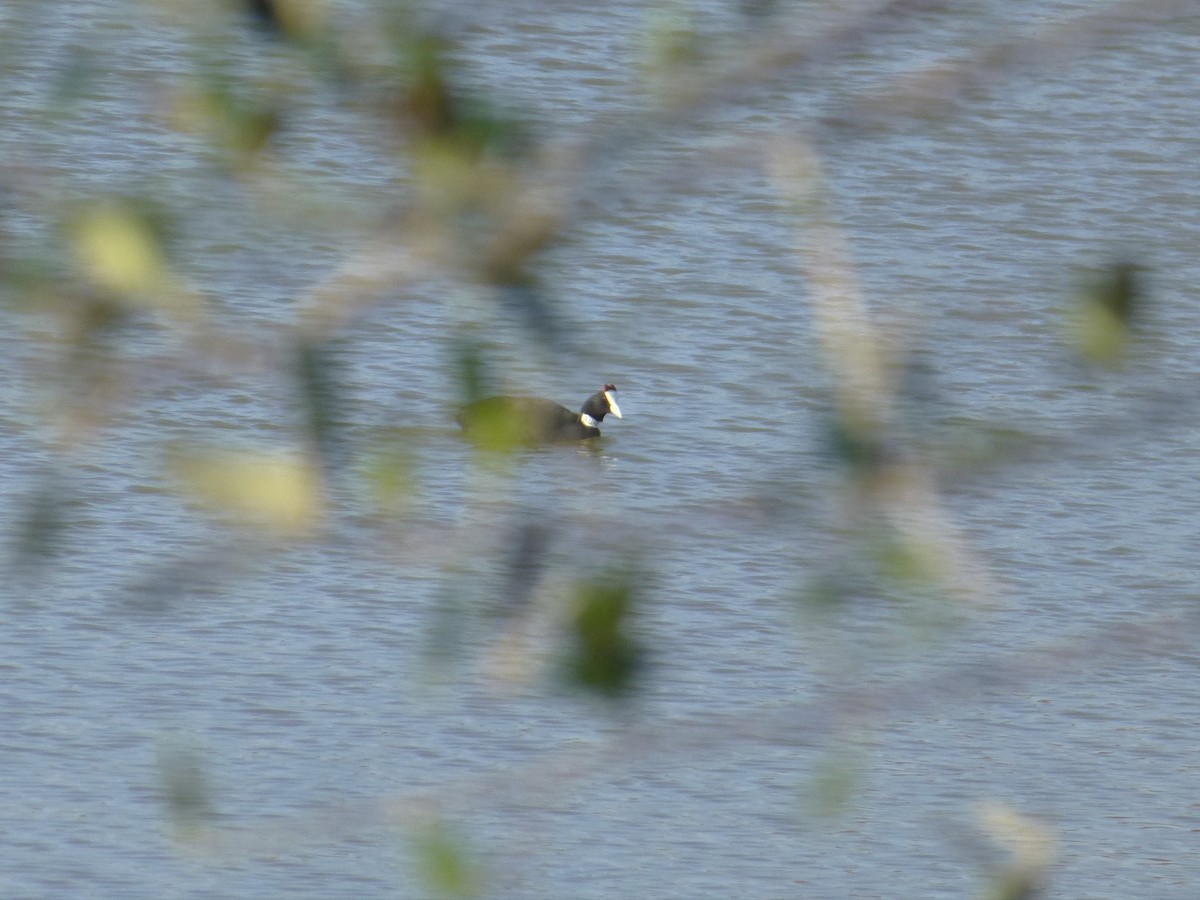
(445, 863)
(673, 43)
(903, 560)
(491, 425)
(603, 657)
(1108, 307)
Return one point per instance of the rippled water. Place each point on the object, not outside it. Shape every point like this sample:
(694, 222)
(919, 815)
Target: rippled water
(300, 672)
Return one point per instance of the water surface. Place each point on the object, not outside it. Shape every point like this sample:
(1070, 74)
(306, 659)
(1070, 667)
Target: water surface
(299, 671)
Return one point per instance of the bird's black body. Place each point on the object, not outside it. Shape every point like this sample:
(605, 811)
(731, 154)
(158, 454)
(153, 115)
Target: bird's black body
(528, 421)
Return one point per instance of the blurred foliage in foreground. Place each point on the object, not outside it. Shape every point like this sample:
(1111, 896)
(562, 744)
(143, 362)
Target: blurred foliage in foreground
(484, 198)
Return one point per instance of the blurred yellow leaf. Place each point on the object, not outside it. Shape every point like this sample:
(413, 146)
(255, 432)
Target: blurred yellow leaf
(278, 491)
(120, 253)
(119, 250)
(1032, 846)
(1099, 335)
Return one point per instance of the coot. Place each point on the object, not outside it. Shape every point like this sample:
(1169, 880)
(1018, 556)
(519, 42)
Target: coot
(505, 421)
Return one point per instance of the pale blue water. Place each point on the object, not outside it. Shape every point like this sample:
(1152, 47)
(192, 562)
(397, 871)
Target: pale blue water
(299, 670)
